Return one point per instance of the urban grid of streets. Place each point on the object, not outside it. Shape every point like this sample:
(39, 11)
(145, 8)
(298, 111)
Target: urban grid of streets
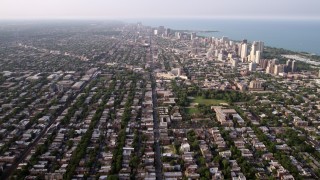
(127, 101)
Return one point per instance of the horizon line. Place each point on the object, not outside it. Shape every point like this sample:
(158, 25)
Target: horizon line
(167, 17)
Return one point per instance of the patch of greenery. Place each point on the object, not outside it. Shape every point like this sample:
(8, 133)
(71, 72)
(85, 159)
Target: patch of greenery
(202, 100)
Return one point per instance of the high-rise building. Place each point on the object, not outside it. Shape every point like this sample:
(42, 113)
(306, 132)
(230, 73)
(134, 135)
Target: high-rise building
(260, 46)
(167, 32)
(244, 51)
(155, 32)
(256, 46)
(239, 47)
(274, 61)
(279, 69)
(258, 57)
(264, 63)
(253, 51)
(270, 68)
(289, 65)
(294, 66)
(161, 30)
(252, 56)
(193, 35)
(252, 66)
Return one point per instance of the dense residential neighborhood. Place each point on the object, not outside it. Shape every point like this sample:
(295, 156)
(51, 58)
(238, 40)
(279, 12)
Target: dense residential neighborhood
(128, 101)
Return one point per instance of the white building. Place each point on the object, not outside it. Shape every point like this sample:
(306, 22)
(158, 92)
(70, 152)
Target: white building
(253, 51)
(244, 51)
(220, 57)
(258, 57)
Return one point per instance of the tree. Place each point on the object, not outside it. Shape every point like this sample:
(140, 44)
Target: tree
(225, 163)
(134, 161)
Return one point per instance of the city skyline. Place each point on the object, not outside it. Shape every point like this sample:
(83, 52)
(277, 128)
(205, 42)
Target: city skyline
(91, 99)
(97, 9)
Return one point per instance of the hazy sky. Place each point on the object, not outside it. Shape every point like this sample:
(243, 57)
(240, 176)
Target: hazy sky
(111, 9)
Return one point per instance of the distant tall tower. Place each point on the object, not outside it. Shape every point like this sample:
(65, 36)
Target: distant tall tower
(289, 65)
(256, 46)
(155, 32)
(244, 51)
(167, 32)
(161, 30)
(258, 57)
(193, 35)
(178, 35)
(294, 66)
(260, 46)
(274, 61)
(239, 45)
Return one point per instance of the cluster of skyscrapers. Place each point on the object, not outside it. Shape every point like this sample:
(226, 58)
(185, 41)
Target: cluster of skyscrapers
(252, 55)
(165, 32)
(221, 49)
(255, 53)
(274, 67)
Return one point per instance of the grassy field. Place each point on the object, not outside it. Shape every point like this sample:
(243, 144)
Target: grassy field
(201, 100)
(191, 110)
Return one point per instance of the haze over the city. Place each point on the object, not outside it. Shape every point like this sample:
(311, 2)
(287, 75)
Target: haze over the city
(107, 9)
(159, 90)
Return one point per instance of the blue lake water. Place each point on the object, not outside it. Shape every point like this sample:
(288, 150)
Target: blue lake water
(296, 35)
